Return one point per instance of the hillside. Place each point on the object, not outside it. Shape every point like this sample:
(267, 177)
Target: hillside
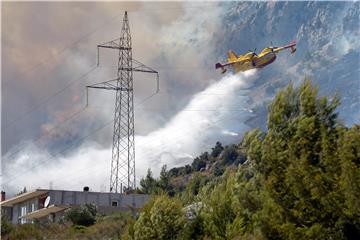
(298, 180)
(327, 36)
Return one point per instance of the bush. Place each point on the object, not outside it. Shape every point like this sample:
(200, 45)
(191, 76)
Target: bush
(194, 229)
(84, 216)
(217, 169)
(229, 155)
(6, 226)
(217, 149)
(200, 162)
(161, 218)
(24, 231)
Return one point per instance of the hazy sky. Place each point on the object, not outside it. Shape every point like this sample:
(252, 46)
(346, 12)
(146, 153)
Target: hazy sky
(49, 56)
(47, 46)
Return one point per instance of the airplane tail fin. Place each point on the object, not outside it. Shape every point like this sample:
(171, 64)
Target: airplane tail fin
(232, 55)
(219, 65)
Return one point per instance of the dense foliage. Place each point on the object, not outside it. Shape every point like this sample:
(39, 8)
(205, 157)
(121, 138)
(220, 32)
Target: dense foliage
(85, 215)
(298, 180)
(161, 218)
(106, 227)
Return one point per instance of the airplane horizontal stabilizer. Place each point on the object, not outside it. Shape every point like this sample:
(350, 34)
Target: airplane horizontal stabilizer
(219, 65)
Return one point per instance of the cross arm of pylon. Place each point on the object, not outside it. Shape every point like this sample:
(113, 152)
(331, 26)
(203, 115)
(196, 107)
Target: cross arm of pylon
(107, 85)
(114, 44)
(137, 66)
(140, 67)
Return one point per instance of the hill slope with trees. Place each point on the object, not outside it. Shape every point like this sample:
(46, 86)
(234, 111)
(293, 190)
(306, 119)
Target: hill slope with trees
(298, 180)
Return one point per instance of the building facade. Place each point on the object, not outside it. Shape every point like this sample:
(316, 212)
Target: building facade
(49, 205)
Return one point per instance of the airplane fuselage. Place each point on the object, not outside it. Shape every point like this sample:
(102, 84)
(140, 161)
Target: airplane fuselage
(252, 60)
(262, 61)
(257, 61)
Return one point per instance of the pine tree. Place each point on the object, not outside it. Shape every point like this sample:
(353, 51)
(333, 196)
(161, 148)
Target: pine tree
(161, 218)
(148, 184)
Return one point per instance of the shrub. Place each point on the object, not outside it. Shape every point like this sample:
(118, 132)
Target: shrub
(6, 226)
(84, 216)
(161, 218)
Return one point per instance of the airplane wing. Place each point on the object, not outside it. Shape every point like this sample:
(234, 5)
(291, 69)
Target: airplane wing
(239, 60)
(291, 45)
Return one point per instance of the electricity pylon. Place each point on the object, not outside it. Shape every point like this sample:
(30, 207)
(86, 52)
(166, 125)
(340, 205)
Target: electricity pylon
(122, 174)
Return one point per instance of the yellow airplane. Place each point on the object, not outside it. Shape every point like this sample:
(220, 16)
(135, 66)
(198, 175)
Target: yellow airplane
(252, 60)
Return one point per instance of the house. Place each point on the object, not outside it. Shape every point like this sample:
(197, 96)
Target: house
(50, 205)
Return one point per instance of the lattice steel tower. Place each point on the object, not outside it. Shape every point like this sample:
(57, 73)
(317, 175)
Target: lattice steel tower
(122, 175)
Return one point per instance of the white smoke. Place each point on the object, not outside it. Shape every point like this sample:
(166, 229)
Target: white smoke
(216, 114)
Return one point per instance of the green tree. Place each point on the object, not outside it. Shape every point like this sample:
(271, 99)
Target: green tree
(217, 169)
(6, 226)
(193, 187)
(164, 181)
(148, 184)
(217, 149)
(161, 218)
(85, 215)
(349, 152)
(200, 162)
(219, 211)
(230, 154)
(300, 169)
(298, 180)
(193, 229)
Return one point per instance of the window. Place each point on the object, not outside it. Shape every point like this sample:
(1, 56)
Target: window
(23, 213)
(32, 207)
(114, 203)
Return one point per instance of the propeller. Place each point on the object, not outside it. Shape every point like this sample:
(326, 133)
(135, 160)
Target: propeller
(272, 47)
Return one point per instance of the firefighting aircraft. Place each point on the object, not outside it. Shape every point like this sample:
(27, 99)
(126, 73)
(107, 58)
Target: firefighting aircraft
(252, 60)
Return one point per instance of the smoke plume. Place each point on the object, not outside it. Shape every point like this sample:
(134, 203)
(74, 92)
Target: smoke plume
(217, 113)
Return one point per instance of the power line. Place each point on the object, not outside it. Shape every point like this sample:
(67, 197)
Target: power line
(140, 103)
(166, 137)
(52, 129)
(62, 50)
(199, 94)
(168, 67)
(180, 110)
(106, 124)
(49, 98)
(74, 43)
(79, 140)
(22, 116)
(86, 35)
(103, 126)
(122, 171)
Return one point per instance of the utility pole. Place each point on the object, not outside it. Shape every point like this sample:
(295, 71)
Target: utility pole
(122, 174)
